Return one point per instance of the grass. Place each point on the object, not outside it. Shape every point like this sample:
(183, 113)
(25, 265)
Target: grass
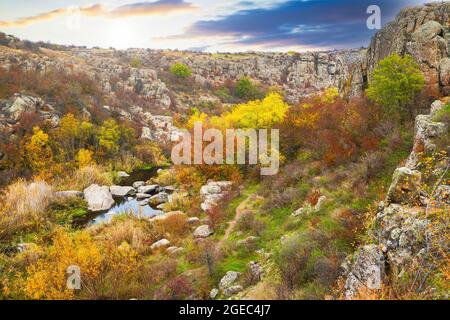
(68, 211)
(25, 206)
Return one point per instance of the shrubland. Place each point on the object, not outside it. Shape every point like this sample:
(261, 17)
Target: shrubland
(338, 155)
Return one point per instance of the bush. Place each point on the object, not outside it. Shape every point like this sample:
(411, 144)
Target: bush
(246, 89)
(292, 260)
(246, 220)
(135, 63)
(180, 70)
(443, 115)
(395, 83)
(224, 94)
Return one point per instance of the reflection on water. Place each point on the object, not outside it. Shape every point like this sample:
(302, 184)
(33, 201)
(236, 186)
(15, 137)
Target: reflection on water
(129, 207)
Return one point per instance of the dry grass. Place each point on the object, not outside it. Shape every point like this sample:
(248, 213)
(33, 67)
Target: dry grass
(138, 233)
(180, 202)
(84, 177)
(24, 206)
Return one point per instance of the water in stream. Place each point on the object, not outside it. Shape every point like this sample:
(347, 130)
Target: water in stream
(128, 205)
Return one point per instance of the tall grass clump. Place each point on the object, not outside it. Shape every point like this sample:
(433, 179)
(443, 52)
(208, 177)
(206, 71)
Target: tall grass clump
(24, 206)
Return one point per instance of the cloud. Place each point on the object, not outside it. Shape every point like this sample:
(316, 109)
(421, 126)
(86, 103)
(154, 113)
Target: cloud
(150, 8)
(160, 7)
(314, 23)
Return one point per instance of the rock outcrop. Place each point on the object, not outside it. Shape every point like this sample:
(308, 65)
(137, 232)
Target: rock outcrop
(402, 225)
(98, 198)
(213, 192)
(422, 32)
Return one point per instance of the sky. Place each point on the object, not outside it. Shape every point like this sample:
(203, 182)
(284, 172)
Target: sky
(203, 25)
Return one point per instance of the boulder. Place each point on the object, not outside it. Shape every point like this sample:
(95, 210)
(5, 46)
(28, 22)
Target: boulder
(122, 174)
(228, 292)
(119, 191)
(193, 220)
(203, 231)
(99, 198)
(170, 189)
(160, 244)
(143, 203)
(428, 31)
(213, 294)
(444, 76)
(159, 198)
(366, 272)
(141, 196)
(213, 192)
(405, 186)
(138, 184)
(229, 279)
(173, 251)
(148, 189)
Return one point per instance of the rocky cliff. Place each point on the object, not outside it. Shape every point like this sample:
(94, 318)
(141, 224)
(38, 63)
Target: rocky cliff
(422, 32)
(411, 225)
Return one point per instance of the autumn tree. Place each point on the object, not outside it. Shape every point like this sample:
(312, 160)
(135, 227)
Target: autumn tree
(37, 152)
(109, 137)
(263, 113)
(395, 83)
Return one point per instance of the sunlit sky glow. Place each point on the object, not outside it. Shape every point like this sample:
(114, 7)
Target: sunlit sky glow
(204, 25)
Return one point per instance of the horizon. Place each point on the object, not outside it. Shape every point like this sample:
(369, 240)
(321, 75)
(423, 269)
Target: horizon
(235, 27)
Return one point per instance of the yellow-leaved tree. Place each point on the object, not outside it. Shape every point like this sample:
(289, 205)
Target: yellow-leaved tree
(256, 114)
(38, 153)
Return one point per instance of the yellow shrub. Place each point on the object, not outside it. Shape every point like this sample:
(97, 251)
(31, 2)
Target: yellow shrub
(47, 278)
(84, 158)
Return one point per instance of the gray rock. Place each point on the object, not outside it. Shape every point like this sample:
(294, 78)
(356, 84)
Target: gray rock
(119, 191)
(140, 196)
(228, 292)
(159, 198)
(174, 251)
(148, 189)
(193, 220)
(213, 294)
(160, 244)
(138, 184)
(366, 272)
(229, 279)
(143, 203)
(122, 174)
(170, 189)
(99, 198)
(405, 186)
(203, 231)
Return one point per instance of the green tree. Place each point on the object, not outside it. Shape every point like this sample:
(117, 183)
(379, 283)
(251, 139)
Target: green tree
(395, 83)
(180, 70)
(246, 89)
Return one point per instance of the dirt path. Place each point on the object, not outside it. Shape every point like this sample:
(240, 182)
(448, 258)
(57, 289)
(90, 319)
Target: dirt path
(231, 224)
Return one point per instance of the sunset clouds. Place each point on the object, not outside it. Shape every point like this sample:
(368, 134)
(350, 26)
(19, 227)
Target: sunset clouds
(220, 25)
(161, 7)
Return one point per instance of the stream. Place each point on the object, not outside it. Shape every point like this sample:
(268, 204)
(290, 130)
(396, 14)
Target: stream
(128, 205)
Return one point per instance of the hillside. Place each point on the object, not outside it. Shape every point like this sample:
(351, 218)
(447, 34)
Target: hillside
(358, 210)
